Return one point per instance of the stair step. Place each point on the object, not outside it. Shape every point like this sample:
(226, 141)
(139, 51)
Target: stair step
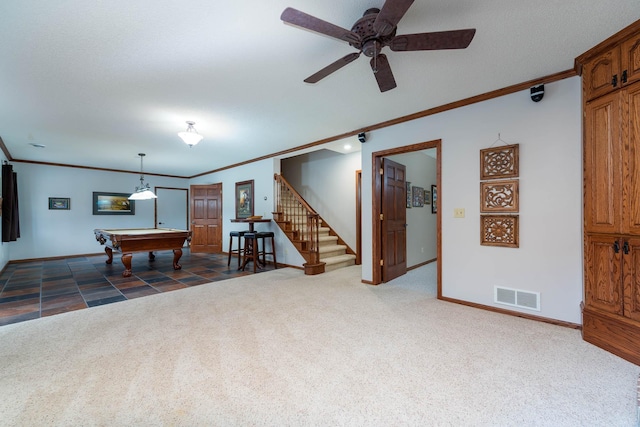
(340, 261)
(327, 251)
(327, 240)
(322, 231)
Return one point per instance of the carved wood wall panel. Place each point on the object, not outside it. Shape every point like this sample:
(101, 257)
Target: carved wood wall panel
(499, 230)
(499, 196)
(499, 162)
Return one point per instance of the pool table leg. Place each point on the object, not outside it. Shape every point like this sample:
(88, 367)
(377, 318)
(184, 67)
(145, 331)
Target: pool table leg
(126, 261)
(109, 252)
(177, 253)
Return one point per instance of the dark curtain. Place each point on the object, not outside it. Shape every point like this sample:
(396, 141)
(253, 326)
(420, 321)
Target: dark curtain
(10, 217)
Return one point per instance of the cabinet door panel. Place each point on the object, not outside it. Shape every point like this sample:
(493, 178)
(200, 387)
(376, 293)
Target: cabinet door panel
(603, 165)
(630, 59)
(603, 276)
(631, 279)
(631, 170)
(598, 74)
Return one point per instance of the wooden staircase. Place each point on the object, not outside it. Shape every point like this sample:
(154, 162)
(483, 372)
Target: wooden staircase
(316, 241)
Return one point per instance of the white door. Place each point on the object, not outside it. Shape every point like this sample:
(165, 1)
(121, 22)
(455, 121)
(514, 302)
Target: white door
(172, 205)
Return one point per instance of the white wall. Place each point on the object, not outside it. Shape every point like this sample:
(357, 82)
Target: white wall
(327, 181)
(549, 259)
(422, 225)
(50, 233)
(262, 174)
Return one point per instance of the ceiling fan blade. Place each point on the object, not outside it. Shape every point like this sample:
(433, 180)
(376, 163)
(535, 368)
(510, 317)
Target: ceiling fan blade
(390, 15)
(315, 78)
(301, 19)
(457, 39)
(382, 71)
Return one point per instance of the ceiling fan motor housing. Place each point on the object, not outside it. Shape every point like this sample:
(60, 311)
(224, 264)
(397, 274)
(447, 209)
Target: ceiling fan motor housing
(371, 43)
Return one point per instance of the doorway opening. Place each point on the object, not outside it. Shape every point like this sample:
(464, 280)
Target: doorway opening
(377, 208)
(172, 208)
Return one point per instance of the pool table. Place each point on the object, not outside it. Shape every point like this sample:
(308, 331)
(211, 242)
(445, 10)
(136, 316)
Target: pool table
(129, 240)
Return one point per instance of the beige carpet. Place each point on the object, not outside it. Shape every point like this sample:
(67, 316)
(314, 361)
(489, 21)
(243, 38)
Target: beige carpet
(280, 348)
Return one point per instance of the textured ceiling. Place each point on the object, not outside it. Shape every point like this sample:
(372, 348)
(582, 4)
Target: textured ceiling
(98, 82)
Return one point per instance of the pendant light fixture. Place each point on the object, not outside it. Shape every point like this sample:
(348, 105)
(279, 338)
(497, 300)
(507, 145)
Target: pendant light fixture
(191, 136)
(143, 192)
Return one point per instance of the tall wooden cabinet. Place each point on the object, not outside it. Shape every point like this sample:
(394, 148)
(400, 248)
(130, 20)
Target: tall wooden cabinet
(611, 101)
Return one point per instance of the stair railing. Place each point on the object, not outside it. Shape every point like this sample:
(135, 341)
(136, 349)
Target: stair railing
(303, 220)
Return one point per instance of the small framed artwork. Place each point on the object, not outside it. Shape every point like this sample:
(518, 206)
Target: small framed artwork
(499, 162)
(59, 203)
(434, 199)
(244, 199)
(408, 193)
(499, 230)
(499, 196)
(113, 204)
(418, 196)
(427, 197)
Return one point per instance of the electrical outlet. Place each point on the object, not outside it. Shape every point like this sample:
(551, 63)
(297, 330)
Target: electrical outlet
(458, 213)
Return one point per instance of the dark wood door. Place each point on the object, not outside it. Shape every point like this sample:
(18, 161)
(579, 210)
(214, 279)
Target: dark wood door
(394, 220)
(206, 218)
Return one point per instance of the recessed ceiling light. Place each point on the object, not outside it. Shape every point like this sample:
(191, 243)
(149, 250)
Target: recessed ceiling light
(347, 146)
(33, 144)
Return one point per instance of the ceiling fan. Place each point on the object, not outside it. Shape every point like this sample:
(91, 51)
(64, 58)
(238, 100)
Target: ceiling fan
(375, 30)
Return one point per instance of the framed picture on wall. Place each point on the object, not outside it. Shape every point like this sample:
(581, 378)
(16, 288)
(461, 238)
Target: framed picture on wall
(427, 197)
(59, 203)
(113, 204)
(244, 199)
(408, 193)
(434, 199)
(418, 197)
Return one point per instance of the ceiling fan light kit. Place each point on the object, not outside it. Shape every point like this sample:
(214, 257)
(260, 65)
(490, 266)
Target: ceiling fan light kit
(375, 30)
(191, 136)
(143, 192)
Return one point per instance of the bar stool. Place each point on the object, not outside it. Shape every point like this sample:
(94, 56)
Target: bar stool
(250, 252)
(239, 235)
(267, 235)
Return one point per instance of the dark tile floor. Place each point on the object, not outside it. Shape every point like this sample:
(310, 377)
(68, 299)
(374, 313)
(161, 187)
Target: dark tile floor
(43, 288)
